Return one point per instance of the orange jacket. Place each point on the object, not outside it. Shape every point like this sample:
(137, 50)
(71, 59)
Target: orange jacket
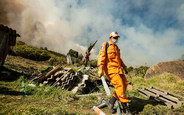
(110, 60)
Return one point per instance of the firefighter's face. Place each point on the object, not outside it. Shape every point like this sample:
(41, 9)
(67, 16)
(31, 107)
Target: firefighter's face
(114, 40)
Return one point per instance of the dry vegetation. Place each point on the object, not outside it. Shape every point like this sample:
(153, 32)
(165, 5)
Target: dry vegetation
(48, 100)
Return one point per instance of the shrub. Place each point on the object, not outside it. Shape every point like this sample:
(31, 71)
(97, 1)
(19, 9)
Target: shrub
(92, 63)
(20, 43)
(75, 60)
(56, 53)
(73, 53)
(38, 54)
(80, 56)
(130, 68)
(141, 71)
(54, 60)
(31, 53)
(63, 60)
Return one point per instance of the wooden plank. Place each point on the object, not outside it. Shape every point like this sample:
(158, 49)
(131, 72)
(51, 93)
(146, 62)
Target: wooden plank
(159, 98)
(166, 96)
(170, 101)
(162, 94)
(143, 93)
(53, 71)
(167, 92)
(152, 92)
(169, 98)
(168, 104)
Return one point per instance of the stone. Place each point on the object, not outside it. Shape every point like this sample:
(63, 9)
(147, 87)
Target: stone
(172, 67)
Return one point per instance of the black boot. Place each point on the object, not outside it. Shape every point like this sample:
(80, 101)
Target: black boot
(126, 109)
(110, 104)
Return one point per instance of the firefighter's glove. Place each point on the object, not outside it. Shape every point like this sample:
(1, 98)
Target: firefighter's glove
(126, 70)
(100, 72)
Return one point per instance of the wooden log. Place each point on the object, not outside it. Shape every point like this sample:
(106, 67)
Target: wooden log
(50, 72)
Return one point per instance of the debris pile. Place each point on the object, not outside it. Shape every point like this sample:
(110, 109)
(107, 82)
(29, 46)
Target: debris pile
(65, 78)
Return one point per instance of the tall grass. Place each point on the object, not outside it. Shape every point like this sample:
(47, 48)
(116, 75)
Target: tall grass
(42, 100)
(143, 106)
(48, 100)
(38, 54)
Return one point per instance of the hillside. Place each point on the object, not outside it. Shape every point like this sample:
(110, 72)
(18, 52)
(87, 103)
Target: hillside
(48, 100)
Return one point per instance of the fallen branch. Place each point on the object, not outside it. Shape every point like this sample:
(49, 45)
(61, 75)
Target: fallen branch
(92, 94)
(50, 73)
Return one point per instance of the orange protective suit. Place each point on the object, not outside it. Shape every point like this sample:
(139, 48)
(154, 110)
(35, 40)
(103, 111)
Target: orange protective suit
(109, 60)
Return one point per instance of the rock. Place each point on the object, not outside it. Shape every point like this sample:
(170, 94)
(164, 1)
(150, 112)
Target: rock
(173, 67)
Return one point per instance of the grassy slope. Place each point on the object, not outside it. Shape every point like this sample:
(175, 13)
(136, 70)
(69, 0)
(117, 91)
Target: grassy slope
(19, 63)
(164, 81)
(47, 100)
(40, 100)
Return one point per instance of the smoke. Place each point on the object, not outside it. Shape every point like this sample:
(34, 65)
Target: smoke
(38, 22)
(151, 31)
(9, 11)
(58, 25)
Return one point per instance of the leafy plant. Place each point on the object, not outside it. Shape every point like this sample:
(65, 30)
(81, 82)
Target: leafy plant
(92, 63)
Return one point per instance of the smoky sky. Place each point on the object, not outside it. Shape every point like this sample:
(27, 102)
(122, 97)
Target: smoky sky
(150, 30)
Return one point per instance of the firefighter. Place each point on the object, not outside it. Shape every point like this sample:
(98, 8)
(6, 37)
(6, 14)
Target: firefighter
(86, 59)
(110, 64)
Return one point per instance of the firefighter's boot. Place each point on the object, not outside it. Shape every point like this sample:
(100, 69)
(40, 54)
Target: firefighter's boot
(110, 104)
(126, 109)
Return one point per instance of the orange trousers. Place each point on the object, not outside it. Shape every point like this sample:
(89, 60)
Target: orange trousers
(119, 82)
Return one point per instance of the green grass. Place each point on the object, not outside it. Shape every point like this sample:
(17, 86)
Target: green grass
(37, 54)
(168, 82)
(41, 100)
(48, 100)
